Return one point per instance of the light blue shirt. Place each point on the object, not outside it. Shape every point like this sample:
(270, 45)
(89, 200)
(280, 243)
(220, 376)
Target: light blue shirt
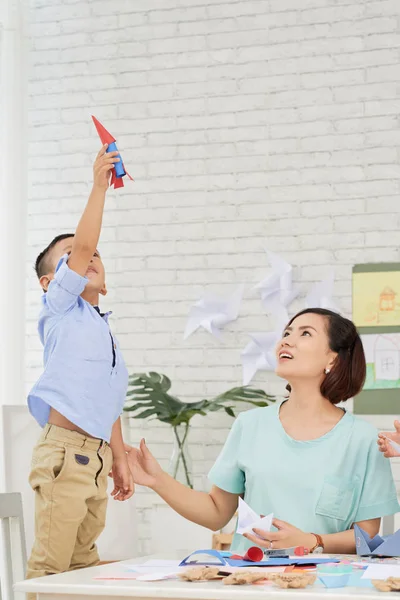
(85, 377)
(322, 486)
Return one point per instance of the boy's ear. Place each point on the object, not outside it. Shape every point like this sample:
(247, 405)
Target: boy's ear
(45, 282)
(103, 290)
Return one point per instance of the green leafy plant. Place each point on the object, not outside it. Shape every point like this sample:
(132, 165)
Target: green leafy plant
(148, 396)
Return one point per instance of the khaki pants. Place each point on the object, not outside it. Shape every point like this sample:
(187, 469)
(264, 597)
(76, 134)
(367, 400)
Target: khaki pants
(69, 477)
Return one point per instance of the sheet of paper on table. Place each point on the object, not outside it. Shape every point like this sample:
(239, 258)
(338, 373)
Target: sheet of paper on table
(381, 571)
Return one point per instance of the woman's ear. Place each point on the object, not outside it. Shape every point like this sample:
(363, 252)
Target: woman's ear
(331, 362)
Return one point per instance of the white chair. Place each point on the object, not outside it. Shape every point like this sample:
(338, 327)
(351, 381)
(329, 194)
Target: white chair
(14, 564)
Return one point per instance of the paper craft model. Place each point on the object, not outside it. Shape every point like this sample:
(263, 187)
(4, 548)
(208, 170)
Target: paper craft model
(394, 445)
(321, 294)
(248, 519)
(259, 354)
(213, 313)
(377, 546)
(118, 172)
(276, 290)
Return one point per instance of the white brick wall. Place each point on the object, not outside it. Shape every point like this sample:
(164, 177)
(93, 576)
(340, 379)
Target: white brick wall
(242, 122)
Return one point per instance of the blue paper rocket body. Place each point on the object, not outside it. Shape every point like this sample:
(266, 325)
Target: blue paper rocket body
(376, 546)
(119, 167)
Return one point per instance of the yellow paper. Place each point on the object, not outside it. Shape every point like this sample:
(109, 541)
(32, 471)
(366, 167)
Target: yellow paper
(376, 299)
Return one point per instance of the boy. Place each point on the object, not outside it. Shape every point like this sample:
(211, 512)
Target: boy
(78, 398)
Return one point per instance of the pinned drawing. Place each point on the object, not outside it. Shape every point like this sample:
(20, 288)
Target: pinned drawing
(382, 353)
(376, 295)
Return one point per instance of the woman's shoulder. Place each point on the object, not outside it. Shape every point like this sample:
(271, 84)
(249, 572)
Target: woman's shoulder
(363, 429)
(260, 413)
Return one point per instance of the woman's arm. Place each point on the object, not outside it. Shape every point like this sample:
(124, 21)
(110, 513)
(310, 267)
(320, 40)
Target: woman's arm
(288, 536)
(344, 541)
(213, 510)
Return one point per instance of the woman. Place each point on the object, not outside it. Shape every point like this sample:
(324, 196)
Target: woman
(311, 463)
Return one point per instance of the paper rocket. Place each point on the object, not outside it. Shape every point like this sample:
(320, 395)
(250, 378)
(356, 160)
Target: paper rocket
(259, 354)
(395, 446)
(377, 546)
(118, 172)
(321, 294)
(213, 313)
(276, 290)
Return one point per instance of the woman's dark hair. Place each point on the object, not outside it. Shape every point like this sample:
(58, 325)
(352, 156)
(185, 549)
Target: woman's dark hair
(347, 375)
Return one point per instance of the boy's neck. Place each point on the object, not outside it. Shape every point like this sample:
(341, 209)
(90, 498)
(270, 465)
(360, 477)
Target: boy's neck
(91, 296)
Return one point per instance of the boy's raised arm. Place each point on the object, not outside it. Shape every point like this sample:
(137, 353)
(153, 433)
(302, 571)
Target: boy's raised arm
(89, 227)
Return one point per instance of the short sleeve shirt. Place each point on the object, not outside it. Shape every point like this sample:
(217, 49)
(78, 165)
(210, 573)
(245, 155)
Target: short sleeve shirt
(323, 485)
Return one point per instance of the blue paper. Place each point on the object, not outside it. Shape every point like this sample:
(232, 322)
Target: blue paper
(377, 546)
(217, 558)
(334, 581)
(119, 166)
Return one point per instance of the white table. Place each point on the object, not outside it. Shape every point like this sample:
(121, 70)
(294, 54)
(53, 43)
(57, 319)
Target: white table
(81, 585)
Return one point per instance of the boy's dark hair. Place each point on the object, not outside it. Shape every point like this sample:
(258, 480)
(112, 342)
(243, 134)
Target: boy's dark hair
(42, 266)
(347, 375)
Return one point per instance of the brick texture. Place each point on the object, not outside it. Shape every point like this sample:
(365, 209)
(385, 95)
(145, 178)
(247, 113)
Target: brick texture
(243, 123)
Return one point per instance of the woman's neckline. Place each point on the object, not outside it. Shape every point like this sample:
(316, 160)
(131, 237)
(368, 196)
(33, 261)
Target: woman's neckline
(344, 419)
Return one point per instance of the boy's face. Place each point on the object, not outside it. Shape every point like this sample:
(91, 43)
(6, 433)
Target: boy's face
(95, 271)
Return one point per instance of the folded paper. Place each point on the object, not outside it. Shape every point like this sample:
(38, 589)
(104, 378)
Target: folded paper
(376, 546)
(260, 353)
(321, 294)
(276, 290)
(213, 313)
(118, 172)
(215, 558)
(394, 445)
(249, 520)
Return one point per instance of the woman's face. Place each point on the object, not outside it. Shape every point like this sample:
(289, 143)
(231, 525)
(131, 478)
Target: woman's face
(303, 351)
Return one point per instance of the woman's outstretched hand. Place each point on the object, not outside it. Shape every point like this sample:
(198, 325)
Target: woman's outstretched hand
(143, 466)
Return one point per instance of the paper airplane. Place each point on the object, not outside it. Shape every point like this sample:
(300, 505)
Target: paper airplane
(118, 172)
(212, 313)
(276, 290)
(259, 354)
(395, 446)
(376, 546)
(249, 520)
(321, 294)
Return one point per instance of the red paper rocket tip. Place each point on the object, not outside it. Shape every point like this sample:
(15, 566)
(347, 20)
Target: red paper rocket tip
(104, 135)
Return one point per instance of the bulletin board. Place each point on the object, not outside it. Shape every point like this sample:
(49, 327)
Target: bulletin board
(376, 313)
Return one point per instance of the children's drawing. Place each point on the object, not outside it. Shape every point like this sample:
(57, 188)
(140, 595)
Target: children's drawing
(382, 353)
(376, 297)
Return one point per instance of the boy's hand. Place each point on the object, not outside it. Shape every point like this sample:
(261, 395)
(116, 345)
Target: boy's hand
(123, 481)
(102, 167)
(384, 446)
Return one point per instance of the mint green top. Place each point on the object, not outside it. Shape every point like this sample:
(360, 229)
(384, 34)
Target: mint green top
(323, 485)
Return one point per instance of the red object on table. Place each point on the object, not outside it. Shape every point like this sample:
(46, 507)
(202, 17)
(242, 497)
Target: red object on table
(300, 551)
(253, 554)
